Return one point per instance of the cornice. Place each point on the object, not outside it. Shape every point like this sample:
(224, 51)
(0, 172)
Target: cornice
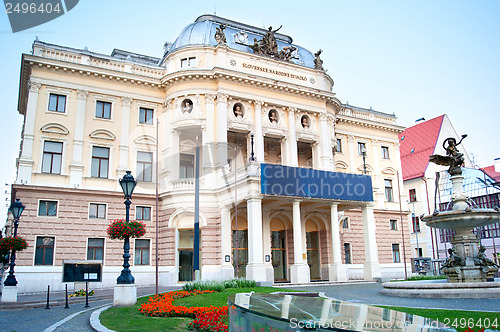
(369, 124)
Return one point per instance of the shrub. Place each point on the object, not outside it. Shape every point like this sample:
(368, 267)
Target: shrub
(219, 286)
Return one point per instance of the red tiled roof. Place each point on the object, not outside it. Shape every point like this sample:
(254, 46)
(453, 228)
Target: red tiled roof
(417, 145)
(490, 171)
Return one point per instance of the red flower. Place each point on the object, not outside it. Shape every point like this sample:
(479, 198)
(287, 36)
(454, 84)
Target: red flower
(120, 229)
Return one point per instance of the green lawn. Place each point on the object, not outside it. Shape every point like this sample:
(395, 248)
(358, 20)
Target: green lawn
(130, 319)
(460, 320)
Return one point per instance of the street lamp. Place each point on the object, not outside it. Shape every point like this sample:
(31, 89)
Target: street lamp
(363, 152)
(17, 209)
(252, 155)
(128, 184)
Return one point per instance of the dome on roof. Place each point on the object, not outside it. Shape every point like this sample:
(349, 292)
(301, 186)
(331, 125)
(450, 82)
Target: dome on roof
(239, 36)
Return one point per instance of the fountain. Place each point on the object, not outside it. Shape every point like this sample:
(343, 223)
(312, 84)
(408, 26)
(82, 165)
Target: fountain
(467, 268)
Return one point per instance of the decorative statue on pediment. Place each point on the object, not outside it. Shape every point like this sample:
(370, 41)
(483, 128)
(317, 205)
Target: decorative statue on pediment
(453, 157)
(220, 37)
(318, 63)
(270, 44)
(286, 53)
(258, 46)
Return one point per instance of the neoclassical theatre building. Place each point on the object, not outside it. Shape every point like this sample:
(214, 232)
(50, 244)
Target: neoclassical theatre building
(298, 185)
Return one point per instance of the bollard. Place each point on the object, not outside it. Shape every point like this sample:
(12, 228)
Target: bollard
(86, 295)
(48, 296)
(67, 306)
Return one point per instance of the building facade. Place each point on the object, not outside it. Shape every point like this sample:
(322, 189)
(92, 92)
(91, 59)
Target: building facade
(258, 106)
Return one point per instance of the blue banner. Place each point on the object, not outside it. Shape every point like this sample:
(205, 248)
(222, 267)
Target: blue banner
(305, 182)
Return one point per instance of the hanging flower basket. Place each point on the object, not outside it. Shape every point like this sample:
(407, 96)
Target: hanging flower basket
(119, 229)
(10, 242)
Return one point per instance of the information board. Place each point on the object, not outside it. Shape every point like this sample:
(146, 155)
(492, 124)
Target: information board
(82, 271)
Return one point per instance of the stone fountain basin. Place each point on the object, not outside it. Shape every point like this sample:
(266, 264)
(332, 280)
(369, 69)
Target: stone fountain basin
(462, 219)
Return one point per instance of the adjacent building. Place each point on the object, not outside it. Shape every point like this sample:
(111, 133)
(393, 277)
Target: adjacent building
(294, 183)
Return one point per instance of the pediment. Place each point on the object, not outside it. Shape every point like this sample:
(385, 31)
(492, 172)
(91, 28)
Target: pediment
(54, 128)
(102, 134)
(389, 171)
(145, 139)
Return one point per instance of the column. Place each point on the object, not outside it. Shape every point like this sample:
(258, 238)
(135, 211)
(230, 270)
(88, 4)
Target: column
(255, 267)
(221, 130)
(76, 166)
(292, 159)
(165, 133)
(227, 270)
(325, 144)
(266, 235)
(259, 138)
(372, 264)
(208, 143)
(124, 136)
(26, 160)
(353, 152)
(377, 179)
(299, 271)
(337, 270)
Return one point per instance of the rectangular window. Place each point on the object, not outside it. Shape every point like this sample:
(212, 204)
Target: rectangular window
(361, 148)
(95, 249)
(188, 62)
(97, 211)
(347, 253)
(142, 213)
(103, 110)
(413, 195)
(385, 152)
(100, 162)
(388, 190)
(52, 157)
(141, 252)
(144, 166)
(394, 224)
(44, 250)
(395, 253)
(146, 115)
(47, 208)
(186, 168)
(345, 222)
(338, 148)
(57, 103)
(416, 224)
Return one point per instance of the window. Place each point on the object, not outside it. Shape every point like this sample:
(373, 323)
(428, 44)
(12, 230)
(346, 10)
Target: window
(418, 252)
(394, 224)
(416, 224)
(385, 152)
(100, 162)
(395, 253)
(361, 148)
(47, 208)
(146, 115)
(141, 252)
(103, 110)
(338, 148)
(186, 168)
(57, 103)
(142, 213)
(52, 156)
(388, 190)
(44, 250)
(345, 222)
(144, 166)
(188, 62)
(347, 253)
(97, 211)
(95, 249)
(413, 195)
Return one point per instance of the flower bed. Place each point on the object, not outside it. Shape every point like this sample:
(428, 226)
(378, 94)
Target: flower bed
(206, 319)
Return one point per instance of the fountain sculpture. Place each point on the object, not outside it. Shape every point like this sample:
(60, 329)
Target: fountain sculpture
(467, 261)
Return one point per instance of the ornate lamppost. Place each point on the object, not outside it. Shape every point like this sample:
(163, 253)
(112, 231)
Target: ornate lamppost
(252, 155)
(363, 152)
(16, 209)
(128, 184)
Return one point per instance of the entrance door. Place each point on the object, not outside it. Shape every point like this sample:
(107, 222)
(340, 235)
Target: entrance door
(278, 250)
(186, 264)
(313, 254)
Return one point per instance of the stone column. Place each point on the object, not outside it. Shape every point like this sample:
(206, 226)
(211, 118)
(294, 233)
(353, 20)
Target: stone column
(325, 144)
(353, 152)
(76, 166)
(299, 271)
(124, 136)
(292, 159)
(266, 235)
(259, 138)
(227, 270)
(338, 270)
(377, 178)
(26, 160)
(165, 131)
(221, 130)
(255, 268)
(372, 264)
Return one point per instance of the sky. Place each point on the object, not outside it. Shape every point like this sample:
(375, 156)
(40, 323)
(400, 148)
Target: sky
(416, 59)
